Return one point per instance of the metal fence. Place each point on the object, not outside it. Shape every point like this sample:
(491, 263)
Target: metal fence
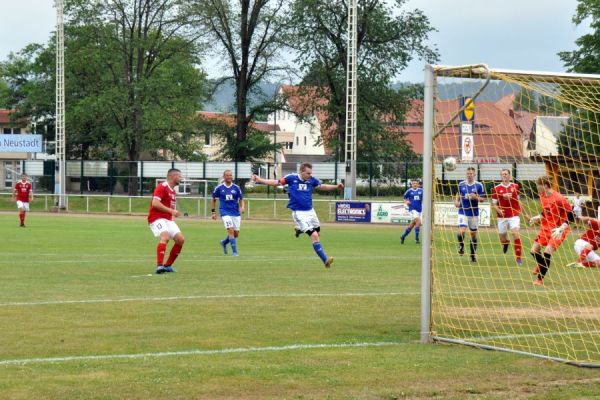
(139, 178)
(190, 206)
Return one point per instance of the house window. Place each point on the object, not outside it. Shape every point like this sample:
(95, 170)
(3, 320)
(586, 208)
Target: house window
(297, 141)
(7, 131)
(289, 145)
(305, 140)
(17, 131)
(207, 139)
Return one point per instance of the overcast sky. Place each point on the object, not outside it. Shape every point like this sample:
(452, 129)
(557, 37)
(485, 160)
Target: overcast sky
(512, 34)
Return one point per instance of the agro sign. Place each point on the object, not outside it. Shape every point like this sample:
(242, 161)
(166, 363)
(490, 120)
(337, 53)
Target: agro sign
(468, 114)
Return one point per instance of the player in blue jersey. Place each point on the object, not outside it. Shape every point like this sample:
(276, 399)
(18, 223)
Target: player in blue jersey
(413, 199)
(300, 189)
(231, 206)
(470, 193)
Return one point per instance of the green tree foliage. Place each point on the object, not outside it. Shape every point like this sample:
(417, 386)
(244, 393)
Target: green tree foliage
(249, 35)
(582, 133)
(580, 138)
(133, 84)
(388, 39)
(586, 58)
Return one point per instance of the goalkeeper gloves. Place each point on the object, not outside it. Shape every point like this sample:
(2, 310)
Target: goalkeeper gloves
(557, 232)
(534, 220)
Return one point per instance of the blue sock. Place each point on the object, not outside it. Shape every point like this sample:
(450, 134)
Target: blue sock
(417, 231)
(226, 240)
(233, 243)
(319, 250)
(406, 232)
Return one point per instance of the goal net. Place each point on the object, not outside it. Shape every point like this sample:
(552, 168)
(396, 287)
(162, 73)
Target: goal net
(485, 289)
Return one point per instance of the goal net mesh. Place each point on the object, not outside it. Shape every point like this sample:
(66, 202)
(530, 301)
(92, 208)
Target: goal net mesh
(531, 125)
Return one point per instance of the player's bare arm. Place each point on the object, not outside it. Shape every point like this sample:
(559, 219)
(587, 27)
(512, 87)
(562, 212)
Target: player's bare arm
(213, 212)
(498, 210)
(268, 182)
(329, 188)
(161, 207)
(242, 206)
(457, 200)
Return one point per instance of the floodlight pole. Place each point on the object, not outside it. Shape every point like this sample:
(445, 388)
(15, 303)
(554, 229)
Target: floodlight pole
(426, 216)
(351, 87)
(60, 166)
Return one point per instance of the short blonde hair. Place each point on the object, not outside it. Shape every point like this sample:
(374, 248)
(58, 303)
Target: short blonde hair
(544, 181)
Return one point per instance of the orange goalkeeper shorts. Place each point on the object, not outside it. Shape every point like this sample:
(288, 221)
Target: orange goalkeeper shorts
(544, 238)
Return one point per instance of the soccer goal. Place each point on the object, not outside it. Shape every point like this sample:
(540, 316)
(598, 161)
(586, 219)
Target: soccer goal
(480, 126)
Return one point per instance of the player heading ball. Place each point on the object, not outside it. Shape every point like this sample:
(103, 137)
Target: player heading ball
(300, 191)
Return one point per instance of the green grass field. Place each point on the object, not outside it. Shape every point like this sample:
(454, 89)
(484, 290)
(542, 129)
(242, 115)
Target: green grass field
(82, 319)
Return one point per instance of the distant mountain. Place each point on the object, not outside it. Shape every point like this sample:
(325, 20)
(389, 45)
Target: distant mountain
(223, 99)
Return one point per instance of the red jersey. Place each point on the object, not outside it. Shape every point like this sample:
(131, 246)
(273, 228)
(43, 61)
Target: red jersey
(554, 210)
(509, 206)
(592, 235)
(166, 195)
(23, 190)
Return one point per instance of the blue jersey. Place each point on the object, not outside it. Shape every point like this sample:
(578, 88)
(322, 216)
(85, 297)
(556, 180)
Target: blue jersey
(415, 197)
(300, 191)
(469, 207)
(229, 197)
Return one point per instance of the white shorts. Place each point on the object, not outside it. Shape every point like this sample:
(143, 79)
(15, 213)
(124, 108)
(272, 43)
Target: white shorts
(577, 211)
(232, 222)
(164, 225)
(23, 205)
(471, 222)
(306, 220)
(415, 214)
(506, 224)
(581, 244)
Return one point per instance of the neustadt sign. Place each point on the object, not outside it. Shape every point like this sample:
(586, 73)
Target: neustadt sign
(20, 143)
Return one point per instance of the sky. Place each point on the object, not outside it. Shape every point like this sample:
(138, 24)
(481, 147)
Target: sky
(508, 34)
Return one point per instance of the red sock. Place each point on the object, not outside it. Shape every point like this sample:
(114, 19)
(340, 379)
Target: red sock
(518, 248)
(583, 255)
(174, 253)
(160, 253)
(22, 217)
(588, 264)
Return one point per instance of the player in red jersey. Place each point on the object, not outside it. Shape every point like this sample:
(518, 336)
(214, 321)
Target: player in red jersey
(587, 244)
(23, 194)
(160, 217)
(505, 200)
(554, 226)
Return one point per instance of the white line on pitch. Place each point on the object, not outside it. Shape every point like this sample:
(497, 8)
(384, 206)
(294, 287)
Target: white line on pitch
(202, 297)
(197, 352)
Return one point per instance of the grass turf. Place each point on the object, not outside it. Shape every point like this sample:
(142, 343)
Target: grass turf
(76, 288)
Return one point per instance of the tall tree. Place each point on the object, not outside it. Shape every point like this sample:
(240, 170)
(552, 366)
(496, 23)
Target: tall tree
(150, 42)
(388, 39)
(581, 137)
(250, 35)
(133, 84)
(586, 59)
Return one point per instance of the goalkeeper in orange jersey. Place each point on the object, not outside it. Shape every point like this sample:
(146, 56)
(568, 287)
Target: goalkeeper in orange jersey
(554, 227)
(587, 244)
